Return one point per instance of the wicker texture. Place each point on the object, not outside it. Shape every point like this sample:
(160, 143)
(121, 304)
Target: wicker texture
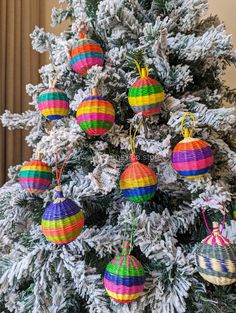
(86, 54)
(62, 221)
(192, 158)
(95, 115)
(146, 96)
(124, 277)
(53, 104)
(35, 176)
(138, 183)
(216, 259)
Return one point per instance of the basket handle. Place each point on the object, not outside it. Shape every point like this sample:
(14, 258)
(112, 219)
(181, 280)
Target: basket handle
(206, 224)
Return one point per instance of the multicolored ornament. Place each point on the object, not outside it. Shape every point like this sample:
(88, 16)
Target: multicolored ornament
(138, 183)
(62, 221)
(53, 103)
(234, 207)
(95, 115)
(146, 94)
(124, 277)
(216, 258)
(86, 54)
(35, 176)
(192, 157)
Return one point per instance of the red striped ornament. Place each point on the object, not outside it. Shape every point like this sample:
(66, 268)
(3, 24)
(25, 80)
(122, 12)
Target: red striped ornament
(95, 115)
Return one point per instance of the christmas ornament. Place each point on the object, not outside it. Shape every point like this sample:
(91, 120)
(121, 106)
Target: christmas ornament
(95, 115)
(192, 157)
(62, 220)
(146, 94)
(234, 207)
(124, 277)
(35, 176)
(216, 257)
(53, 103)
(138, 183)
(86, 54)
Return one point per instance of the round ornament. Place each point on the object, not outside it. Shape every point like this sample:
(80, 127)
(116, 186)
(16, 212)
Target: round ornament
(216, 258)
(62, 220)
(192, 157)
(86, 54)
(35, 176)
(124, 277)
(146, 94)
(95, 115)
(138, 183)
(234, 208)
(53, 104)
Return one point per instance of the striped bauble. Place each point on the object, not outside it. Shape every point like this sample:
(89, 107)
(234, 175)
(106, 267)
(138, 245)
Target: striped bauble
(216, 259)
(146, 95)
(35, 176)
(124, 277)
(53, 103)
(138, 183)
(192, 157)
(86, 54)
(95, 115)
(62, 220)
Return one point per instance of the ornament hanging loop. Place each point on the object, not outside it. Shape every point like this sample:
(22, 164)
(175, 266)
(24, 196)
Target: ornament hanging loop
(215, 224)
(144, 71)
(127, 245)
(187, 132)
(82, 30)
(52, 83)
(132, 140)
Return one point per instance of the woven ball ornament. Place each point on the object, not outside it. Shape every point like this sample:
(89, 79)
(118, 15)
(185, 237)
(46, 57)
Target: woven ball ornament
(62, 220)
(86, 54)
(95, 115)
(35, 176)
(124, 277)
(53, 104)
(138, 183)
(216, 259)
(191, 157)
(146, 95)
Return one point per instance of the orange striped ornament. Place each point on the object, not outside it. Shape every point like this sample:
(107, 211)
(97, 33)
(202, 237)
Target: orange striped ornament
(138, 183)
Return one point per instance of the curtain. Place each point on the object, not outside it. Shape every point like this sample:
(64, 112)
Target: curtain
(19, 66)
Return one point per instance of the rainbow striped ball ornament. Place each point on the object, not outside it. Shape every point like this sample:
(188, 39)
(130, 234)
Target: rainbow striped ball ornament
(146, 95)
(138, 183)
(62, 221)
(35, 176)
(192, 157)
(53, 104)
(95, 115)
(124, 277)
(86, 54)
(216, 259)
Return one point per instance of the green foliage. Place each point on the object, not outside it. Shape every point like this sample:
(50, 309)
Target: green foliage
(91, 8)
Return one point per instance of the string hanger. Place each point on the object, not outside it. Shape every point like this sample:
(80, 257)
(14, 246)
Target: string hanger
(127, 245)
(59, 172)
(52, 82)
(216, 229)
(186, 131)
(143, 71)
(82, 29)
(132, 140)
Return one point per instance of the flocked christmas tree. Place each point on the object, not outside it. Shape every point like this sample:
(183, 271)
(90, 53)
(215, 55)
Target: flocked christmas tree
(181, 56)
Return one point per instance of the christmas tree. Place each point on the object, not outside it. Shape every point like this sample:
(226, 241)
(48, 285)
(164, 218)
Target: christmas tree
(187, 53)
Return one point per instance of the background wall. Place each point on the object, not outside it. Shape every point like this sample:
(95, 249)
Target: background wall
(226, 12)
